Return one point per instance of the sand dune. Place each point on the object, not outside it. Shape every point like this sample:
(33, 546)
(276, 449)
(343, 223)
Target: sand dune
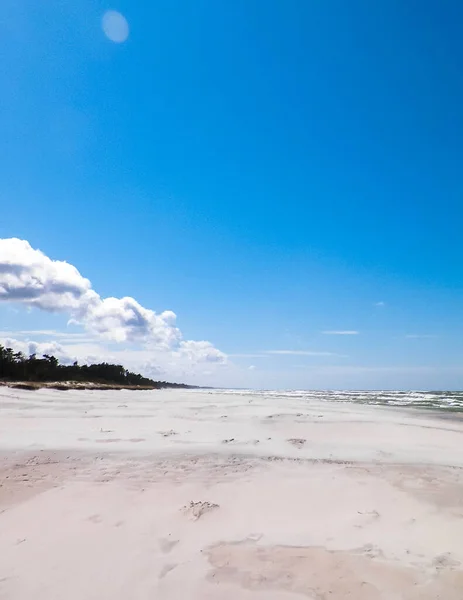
(186, 494)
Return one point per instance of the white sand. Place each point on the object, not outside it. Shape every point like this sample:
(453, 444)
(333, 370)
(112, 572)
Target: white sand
(177, 494)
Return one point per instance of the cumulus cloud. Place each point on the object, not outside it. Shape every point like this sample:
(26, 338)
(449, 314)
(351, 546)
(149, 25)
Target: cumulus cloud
(200, 352)
(40, 348)
(124, 319)
(30, 277)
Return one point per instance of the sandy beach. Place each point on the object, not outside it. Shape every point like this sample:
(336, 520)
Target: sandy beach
(207, 495)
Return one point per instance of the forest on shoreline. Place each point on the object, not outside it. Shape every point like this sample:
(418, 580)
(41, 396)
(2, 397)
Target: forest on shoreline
(16, 367)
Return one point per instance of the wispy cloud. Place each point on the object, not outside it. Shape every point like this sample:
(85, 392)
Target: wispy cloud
(49, 333)
(380, 303)
(419, 336)
(300, 353)
(341, 332)
(252, 355)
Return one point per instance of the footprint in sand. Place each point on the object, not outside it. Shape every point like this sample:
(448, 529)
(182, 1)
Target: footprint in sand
(168, 433)
(298, 442)
(445, 561)
(195, 510)
(370, 550)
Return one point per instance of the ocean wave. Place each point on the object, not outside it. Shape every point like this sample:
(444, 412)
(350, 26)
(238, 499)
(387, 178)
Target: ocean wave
(437, 400)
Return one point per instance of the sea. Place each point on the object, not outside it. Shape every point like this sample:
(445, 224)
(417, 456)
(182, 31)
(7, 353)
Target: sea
(449, 401)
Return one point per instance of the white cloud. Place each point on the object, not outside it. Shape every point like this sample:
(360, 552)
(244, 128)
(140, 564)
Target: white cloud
(419, 336)
(124, 319)
(346, 332)
(380, 304)
(29, 277)
(200, 352)
(252, 367)
(40, 348)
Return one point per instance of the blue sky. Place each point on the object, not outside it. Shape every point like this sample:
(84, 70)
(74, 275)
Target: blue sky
(269, 171)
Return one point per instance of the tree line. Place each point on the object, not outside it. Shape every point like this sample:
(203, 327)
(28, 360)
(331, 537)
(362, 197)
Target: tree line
(15, 366)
